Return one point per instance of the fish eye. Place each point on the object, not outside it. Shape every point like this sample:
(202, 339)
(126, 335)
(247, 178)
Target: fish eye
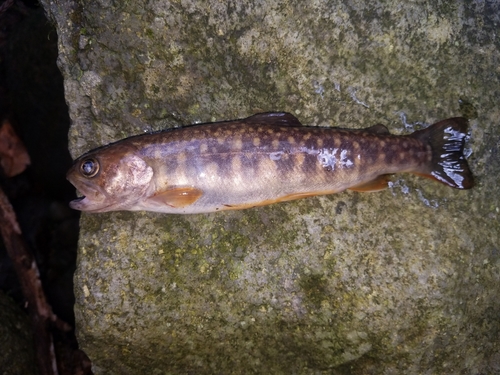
(89, 167)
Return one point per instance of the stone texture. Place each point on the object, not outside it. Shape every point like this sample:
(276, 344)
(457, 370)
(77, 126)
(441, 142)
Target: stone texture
(405, 280)
(17, 353)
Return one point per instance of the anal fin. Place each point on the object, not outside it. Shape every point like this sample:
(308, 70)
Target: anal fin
(177, 197)
(377, 184)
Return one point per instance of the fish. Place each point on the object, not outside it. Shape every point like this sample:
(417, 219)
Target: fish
(263, 159)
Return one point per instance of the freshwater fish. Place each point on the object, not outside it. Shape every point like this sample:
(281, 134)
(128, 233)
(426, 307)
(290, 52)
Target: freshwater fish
(260, 160)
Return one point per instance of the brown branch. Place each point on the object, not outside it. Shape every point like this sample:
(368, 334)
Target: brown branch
(14, 157)
(40, 311)
(6, 5)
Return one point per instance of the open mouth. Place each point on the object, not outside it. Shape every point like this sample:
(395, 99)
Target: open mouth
(79, 199)
(90, 197)
(84, 189)
(78, 203)
(82, 202)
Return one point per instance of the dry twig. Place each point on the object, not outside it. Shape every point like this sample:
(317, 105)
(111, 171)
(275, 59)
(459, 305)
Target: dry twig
(6, 5)
(40, 311)
(13, 154)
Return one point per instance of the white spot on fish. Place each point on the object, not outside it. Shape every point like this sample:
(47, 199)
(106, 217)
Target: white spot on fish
(328, 158)
(275, 155)
(344, 161)
(238, 144)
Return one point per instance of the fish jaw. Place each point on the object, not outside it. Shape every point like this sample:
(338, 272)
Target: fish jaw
(85, 204)
(93, 198)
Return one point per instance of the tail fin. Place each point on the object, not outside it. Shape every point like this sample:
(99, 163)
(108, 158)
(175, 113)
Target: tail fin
(448, 164)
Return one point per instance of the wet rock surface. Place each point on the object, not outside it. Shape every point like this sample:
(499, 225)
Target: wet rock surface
(405, 279)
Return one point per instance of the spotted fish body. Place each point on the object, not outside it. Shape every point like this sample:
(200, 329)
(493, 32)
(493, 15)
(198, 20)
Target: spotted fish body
(260, 160)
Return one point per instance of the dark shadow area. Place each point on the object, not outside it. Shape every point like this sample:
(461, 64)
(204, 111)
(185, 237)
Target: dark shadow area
(32, 99)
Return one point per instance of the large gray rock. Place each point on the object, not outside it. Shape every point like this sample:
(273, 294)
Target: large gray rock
(405, 280)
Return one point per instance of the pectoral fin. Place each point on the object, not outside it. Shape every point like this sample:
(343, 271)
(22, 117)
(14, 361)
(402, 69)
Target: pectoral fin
(177, 197)
(379, 183)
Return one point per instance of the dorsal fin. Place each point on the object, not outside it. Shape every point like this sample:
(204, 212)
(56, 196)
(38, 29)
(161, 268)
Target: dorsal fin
(377, 129)
(273, 118)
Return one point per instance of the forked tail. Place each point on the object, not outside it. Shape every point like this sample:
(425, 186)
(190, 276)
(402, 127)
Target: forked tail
(448, 164)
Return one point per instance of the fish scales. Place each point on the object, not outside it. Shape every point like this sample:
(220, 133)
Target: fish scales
(263, 159)
(237, 161)
(284, 151)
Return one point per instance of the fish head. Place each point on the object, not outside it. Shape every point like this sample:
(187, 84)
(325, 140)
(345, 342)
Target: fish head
(110, 178)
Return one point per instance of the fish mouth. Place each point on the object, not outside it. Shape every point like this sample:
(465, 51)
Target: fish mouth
(78, 201)
(90, 196)
(83, 203)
